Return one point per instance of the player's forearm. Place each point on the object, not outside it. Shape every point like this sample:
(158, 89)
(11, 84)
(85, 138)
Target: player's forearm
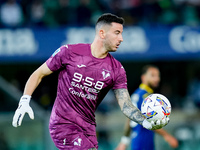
(173, 142)
(162, 132)
(32, 83)
(35, 79)
(127, 107)
(127, 128)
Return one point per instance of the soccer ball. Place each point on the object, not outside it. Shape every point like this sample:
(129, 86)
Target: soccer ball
(156, 107)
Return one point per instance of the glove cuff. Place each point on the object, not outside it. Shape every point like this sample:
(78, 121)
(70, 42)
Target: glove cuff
(25, 98)
(146, 124)
(125, 140)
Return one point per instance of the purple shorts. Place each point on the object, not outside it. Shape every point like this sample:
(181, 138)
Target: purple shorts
(72, 137)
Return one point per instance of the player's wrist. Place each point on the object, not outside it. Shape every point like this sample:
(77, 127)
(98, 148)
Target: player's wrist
(125, 140)
(147, 124)
(25, 98)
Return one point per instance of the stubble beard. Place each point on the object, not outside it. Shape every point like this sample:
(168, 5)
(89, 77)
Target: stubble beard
(153, 86)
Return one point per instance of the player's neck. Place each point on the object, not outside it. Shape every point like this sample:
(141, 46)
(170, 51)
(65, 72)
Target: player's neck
(98, 50)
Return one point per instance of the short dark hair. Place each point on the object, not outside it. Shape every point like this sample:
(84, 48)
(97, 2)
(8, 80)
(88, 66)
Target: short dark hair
(146, 68)
(108, 18)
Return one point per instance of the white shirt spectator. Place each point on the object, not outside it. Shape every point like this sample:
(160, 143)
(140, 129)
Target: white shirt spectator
(11, 14)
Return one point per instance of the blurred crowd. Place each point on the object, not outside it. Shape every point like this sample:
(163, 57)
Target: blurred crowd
(56, 13)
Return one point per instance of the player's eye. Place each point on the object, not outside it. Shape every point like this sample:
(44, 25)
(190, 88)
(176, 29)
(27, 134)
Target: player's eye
(117, 32)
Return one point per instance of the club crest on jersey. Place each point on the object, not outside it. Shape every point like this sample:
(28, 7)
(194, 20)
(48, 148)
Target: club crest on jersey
(56, 52)
(105, 74)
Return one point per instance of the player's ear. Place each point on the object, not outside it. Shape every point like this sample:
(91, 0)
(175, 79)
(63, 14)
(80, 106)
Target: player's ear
(142, 78)
(102, 33)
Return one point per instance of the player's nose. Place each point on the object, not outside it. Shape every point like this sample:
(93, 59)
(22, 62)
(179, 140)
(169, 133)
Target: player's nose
(121, 38)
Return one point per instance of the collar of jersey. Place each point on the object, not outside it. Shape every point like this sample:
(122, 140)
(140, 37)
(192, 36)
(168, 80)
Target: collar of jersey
(146, 88)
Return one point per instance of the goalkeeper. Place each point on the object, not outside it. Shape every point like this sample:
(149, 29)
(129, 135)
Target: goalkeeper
(86, 73)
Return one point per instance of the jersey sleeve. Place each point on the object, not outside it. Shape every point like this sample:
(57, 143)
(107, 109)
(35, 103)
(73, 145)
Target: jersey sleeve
(121, 79)
(57, 59)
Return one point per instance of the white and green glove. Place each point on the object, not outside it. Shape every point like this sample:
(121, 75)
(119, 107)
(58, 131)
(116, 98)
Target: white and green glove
(155, 125)
(23, 108)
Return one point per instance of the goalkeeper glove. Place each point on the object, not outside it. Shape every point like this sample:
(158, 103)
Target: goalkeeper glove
(21, 110)
(155, 125)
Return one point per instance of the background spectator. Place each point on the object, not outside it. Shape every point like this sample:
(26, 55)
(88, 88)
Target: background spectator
(84, 13)
(65, 14)
(11, 14)
(37, 12)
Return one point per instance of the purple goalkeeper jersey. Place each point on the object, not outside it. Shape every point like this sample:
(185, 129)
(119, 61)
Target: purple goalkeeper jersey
(82, 84)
